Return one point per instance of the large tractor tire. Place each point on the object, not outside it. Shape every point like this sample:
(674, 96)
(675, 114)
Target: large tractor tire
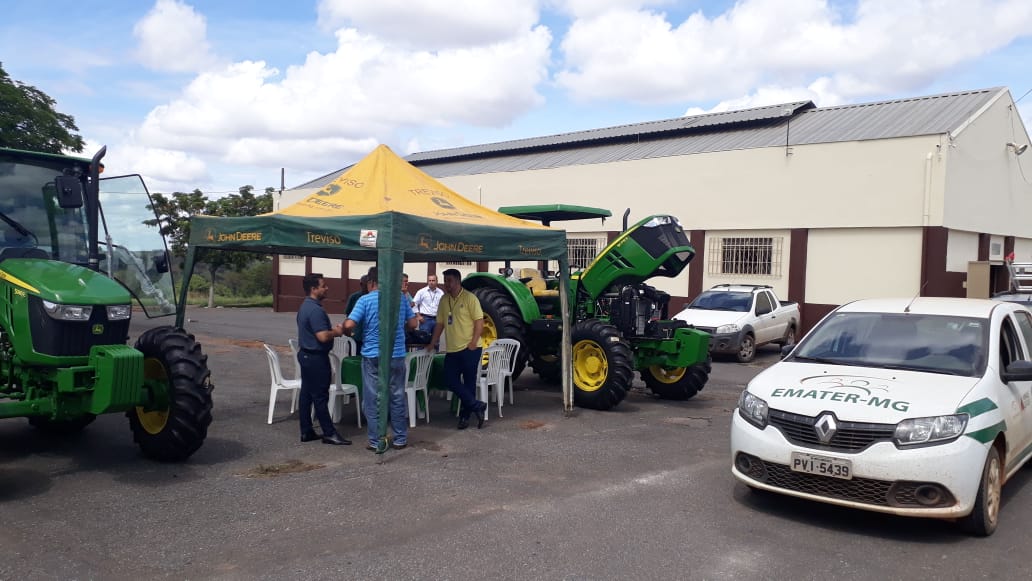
(502, 320)
(61, 427)
(602, 365)
(172, 360)
(677, 383)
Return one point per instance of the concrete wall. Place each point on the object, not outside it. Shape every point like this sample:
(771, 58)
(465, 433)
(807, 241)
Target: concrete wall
(848, 264)
(989, 188)
(961, 248)
(856, 184)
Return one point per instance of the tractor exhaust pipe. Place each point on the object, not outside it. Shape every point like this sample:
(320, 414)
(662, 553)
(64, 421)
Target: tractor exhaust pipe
(93, 209)
(626, 214)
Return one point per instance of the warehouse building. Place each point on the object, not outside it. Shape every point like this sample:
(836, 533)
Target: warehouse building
(918, 196)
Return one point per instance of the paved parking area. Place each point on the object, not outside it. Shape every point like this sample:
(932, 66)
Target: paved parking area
(644, 491)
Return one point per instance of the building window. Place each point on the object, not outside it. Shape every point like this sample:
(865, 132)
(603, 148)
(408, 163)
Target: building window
(453, 263)
(295, 257)
(581, 251)
(759, 256)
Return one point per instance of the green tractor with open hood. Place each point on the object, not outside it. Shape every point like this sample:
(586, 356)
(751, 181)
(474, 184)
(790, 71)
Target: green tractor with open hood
(75, 253)
(619, 324)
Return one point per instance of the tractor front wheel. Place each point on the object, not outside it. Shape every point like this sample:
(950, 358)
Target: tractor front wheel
(677, 383)
(602, 365)
(176, 373)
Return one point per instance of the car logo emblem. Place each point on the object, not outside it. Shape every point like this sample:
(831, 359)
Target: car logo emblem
(825, 428)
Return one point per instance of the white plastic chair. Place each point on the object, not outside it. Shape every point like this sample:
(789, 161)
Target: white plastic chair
(340, 393)
(491, 375)
(344, 347)
(279, 384)
(416, 379)
(512, 350)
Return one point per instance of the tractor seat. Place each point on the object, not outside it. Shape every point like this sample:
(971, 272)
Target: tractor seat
(23, 252)
(539, 288)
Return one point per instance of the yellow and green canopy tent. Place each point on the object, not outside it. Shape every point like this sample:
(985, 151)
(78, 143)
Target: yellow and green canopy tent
(384, 209)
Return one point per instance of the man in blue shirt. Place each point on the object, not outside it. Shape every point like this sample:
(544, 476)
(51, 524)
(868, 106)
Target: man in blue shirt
(365, 318)
(315, 340)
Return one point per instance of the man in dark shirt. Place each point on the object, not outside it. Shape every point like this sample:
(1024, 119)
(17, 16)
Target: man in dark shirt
(363, 288)
(315, 340)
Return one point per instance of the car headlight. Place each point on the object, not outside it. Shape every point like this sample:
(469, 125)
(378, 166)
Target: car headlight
(67, 312)
(119, 312)
(753, 409)
(936, 429)
(727, 329)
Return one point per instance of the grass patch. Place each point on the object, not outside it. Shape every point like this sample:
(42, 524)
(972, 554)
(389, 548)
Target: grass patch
(201, 300)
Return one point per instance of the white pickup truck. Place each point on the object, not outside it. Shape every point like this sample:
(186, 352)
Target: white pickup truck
(742, 317)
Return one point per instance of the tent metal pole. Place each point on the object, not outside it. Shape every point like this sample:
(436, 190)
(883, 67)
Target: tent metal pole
(187, 274)
(566, 349)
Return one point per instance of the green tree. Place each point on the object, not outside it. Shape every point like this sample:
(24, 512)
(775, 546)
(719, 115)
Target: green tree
(175, 211)
(29, 121)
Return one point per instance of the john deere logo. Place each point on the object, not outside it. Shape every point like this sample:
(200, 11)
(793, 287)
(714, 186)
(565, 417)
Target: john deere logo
(98, 329)
(210, 235)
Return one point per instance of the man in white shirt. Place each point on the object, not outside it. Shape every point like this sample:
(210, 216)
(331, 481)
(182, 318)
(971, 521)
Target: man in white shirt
(425, 304)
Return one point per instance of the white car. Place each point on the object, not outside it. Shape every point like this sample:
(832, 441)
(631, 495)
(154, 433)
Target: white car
(916, 407)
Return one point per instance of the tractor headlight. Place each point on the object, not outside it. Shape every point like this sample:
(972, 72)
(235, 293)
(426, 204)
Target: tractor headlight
(930, 430)
(753, 409)
(727, 329)
(119, 312)
(68, 312)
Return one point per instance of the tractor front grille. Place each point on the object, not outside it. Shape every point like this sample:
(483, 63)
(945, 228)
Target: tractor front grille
(73, 338)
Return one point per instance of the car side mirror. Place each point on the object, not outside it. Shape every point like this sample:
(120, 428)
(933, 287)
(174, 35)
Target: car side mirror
(1018, 371)
(69, 191)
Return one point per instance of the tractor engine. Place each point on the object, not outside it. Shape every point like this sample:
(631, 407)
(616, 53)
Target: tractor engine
(639, 310)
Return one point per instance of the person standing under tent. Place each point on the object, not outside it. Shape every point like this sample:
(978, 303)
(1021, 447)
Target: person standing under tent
(315, 340)
(365, 319)
(461, 318)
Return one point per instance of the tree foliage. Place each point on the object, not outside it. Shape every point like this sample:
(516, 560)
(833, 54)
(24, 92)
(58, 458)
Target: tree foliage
(176, 210)
(29, 121)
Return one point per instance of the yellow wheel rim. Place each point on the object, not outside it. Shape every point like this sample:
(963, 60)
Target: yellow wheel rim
(153, 422)
(667, 374)
(590, 366)
(490, 332)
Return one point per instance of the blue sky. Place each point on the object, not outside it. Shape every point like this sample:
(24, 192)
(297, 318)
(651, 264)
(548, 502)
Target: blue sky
(219, 94)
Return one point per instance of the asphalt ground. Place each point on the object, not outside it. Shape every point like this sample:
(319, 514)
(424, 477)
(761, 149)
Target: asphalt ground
(642, 491)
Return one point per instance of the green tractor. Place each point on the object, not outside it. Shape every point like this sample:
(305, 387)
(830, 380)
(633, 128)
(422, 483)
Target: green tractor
(75, 251)
(619, 323)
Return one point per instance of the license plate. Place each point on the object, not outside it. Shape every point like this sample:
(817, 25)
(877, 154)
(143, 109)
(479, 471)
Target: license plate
(822, 465)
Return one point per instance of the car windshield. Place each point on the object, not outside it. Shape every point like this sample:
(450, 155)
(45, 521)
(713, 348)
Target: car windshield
(930, 343)
(723, 301)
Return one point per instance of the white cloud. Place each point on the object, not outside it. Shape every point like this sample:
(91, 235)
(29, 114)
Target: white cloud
(433, 24)
(173, 37)
(588, 8)
(345, 101)
(639, 55)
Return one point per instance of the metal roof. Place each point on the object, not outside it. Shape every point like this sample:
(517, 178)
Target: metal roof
(796, 123)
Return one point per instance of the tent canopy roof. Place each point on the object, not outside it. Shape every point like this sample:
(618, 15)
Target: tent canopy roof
(383, 202)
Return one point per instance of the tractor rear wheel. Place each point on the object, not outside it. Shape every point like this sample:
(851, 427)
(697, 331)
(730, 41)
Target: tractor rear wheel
(173, 362)
(677, 383)
(502, 320)
(61, 427)
(602, 365)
